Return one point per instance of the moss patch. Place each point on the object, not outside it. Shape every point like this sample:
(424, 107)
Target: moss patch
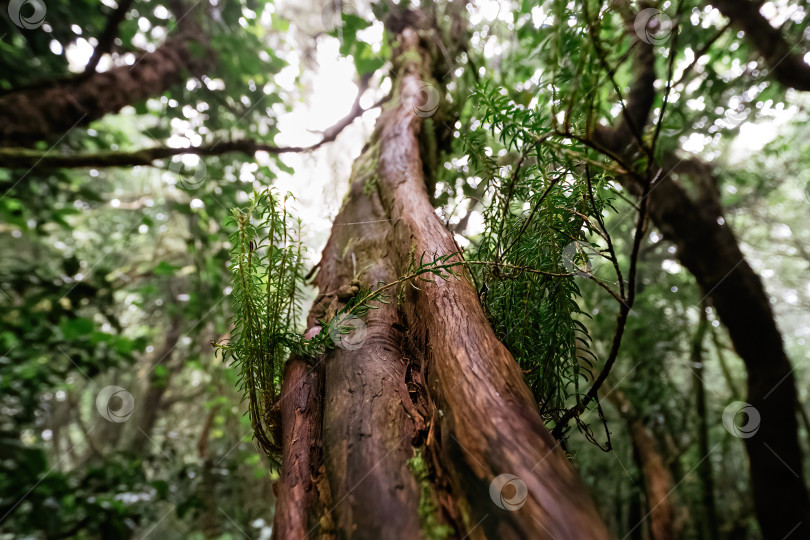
(432, 526)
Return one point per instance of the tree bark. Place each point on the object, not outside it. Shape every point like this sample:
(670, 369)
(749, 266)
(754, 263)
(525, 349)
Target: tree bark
(49, 113)
(367, 433)
(299, 496)
(472, 420)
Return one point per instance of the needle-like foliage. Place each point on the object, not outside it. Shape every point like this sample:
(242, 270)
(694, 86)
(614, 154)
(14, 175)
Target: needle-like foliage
(268, 274)
(542, 216)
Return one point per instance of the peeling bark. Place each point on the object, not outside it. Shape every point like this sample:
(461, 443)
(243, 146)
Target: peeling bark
(488, 422)
(367, 433)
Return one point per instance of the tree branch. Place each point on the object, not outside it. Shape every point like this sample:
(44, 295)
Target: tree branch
(21, 158)
(787, 67)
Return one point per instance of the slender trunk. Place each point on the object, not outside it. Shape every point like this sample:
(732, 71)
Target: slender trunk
(209, 522)
(421, 419)
(150, 404)
(29, 116)
(658, 485)
(721, 359)
(710, 526)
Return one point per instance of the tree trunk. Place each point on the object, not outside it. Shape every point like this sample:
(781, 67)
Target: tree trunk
(150, 402)
(710, 524)
(431, 382)
(707, 247)
(298, 494)
(46, 113)
(658, 484)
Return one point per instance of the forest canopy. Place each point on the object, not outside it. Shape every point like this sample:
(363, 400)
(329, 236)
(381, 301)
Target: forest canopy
(404, 269)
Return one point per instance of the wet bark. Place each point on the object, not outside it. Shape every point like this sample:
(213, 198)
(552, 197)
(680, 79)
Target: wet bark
(367, 433)
(49, 113)
(299, 498)
(487, 422)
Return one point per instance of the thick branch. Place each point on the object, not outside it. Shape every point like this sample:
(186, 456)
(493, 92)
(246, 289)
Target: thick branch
(24, 158)
(707, 247)
(488, 423)
(50, 113)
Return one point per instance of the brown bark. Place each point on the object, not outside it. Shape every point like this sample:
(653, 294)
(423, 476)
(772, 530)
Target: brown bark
(367, 433)
(298, 496)
(658, 485)
(29, 116)
(488, 422)
(482, 420)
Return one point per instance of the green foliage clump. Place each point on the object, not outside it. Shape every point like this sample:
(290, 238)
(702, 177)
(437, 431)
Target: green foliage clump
(268, 271)
(543, 236)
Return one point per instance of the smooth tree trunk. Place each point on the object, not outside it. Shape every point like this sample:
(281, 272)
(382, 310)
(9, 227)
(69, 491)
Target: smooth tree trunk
(418, 422)
(710, 524)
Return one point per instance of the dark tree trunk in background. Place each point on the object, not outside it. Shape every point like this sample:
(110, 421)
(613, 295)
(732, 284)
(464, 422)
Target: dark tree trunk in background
(707, 247)
(150, 402)
(709, 250)
(430, 381)
(48, 113)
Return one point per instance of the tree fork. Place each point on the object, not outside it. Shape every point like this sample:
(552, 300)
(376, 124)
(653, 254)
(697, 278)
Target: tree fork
(483, 421)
